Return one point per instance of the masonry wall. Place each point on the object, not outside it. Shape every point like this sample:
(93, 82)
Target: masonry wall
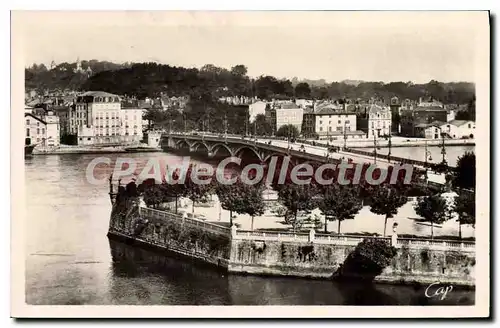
(168, 232)
(199, 241)
(420, 265)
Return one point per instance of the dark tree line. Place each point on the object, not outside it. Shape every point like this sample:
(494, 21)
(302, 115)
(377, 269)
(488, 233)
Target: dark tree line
(153, 79)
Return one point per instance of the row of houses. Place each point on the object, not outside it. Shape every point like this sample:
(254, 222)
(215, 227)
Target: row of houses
(368, 120)
(333, 120)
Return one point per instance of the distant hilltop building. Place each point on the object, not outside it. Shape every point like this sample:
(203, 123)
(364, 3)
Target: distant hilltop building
(80, 70)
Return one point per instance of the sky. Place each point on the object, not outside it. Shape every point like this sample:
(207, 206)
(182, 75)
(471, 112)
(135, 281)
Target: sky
(369, 46)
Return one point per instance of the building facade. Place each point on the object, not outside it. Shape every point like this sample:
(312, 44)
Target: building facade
(375, 121)
(98, 118)
(329, 123)
(42, 130)
(289, 116)
(410, 118)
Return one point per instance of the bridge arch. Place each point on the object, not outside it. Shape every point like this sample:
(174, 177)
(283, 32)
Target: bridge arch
(216, 147)
(239, 150)
(197, 144)
(182, 144)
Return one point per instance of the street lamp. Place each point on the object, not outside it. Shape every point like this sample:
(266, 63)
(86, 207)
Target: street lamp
(443, 148)
(427, 154)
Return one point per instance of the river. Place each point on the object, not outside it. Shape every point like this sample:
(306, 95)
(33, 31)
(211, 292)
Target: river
(69, 259)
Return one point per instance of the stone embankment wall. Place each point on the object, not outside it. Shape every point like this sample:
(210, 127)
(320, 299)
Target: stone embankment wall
(419, 264)
(297, 256)
(170, 232)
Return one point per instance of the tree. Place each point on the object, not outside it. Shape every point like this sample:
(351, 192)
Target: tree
(433, 209)
(251, 200)
(297, 198)
(386, 200)
(262, 126)
(465, 207)
(289, 131)
(154, 195)
(230, 197)
(464, 175)
(195, 191)
(302, 90)
(339, 202)
(239, 70)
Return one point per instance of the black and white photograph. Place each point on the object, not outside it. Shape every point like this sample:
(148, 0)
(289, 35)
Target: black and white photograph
(273, 159)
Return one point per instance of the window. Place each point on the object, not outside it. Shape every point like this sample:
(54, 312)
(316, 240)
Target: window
(321, 129)
(37, 123)
(469, 125)
(87, 139)
(37, 131)
(339, 122)
(320, 122)
(80, 139)
(347, 122)
(43, 131)
(27, 132)
(330, 128)
(27, 122)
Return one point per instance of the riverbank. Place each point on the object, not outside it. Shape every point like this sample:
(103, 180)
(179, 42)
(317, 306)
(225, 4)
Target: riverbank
(289, 254)
(93, 150)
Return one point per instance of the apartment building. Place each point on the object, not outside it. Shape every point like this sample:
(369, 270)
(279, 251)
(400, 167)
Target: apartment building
(334, 123)
(289, 113)
(375, 121)
(98, 118)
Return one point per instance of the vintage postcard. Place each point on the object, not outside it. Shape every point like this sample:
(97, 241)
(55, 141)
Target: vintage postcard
(279, 164)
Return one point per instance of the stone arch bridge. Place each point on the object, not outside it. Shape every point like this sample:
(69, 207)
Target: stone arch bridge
(215, 146)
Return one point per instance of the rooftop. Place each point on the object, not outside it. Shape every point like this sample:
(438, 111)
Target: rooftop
(97, 94)
(458, 122)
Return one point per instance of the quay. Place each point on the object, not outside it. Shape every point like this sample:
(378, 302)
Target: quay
(91, 150)
(308, 255)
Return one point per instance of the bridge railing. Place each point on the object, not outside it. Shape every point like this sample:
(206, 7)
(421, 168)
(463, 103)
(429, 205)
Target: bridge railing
(253, 143)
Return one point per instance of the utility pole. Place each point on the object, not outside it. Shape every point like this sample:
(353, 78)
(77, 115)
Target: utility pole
(390, 144)
(345, 135)
(225, 128)
(255, 132)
